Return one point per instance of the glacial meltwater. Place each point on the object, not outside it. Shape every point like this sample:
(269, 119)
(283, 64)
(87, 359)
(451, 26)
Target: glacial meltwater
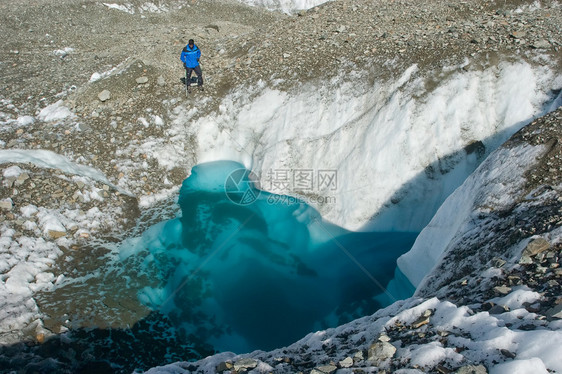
(244, 269)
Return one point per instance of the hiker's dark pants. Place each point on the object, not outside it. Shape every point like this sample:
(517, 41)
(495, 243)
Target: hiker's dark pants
(197, 71)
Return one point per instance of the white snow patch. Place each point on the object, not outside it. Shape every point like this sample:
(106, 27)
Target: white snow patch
(284, 5)
(530, 366)
(55, 112)
(149, 7)
(28, 210)
(97, 76)
(517, 298)
(127, 8)
(63, 52)
(431, 354)
(25, 120)
(25, 267)
(13, 171)
(48, 159)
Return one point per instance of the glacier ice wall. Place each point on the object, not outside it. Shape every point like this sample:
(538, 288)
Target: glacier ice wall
(493, 186)
(399, 147)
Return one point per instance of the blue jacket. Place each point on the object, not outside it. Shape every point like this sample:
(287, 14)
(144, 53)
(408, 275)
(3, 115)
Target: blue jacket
(190, 56)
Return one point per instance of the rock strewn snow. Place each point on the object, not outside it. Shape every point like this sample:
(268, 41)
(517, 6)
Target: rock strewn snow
(48, 218)
(426, 335)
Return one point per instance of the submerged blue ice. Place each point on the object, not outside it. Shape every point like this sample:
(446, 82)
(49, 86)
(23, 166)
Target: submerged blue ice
(245, 269)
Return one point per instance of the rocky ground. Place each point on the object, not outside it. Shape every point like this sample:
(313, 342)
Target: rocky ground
(65, 50)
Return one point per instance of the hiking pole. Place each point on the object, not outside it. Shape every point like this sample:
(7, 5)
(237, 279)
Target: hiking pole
(186, 86)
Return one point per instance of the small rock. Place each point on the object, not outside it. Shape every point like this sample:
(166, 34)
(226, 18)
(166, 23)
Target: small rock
(536, 246)
(223, 366)
(359, 356)
(502, 290)
(427, 313)
(498, 262)
(346, 362)
(498, 309)
(54, 234)
(514, 280)
(21, 179)
(161, 81)
(555, 312)
(488, 305)
(541, 44)
(325, 369)
(104, 95)
(507, 353)
(541, 269)
(245, 363)
(443, 370)
(6, 204)
(420, 322)
(383, 338)
(380, 351)
(471, 369)
(142, 80)
(518, 34)
(533, 308)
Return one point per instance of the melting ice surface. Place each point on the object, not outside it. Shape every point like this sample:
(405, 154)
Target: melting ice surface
(245, 269)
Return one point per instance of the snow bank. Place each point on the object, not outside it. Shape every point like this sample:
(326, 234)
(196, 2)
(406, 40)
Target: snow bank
(285, 5)
(47, 159)
(398, 148)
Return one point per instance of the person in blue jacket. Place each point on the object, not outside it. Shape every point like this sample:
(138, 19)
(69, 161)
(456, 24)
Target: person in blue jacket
(190, 56)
